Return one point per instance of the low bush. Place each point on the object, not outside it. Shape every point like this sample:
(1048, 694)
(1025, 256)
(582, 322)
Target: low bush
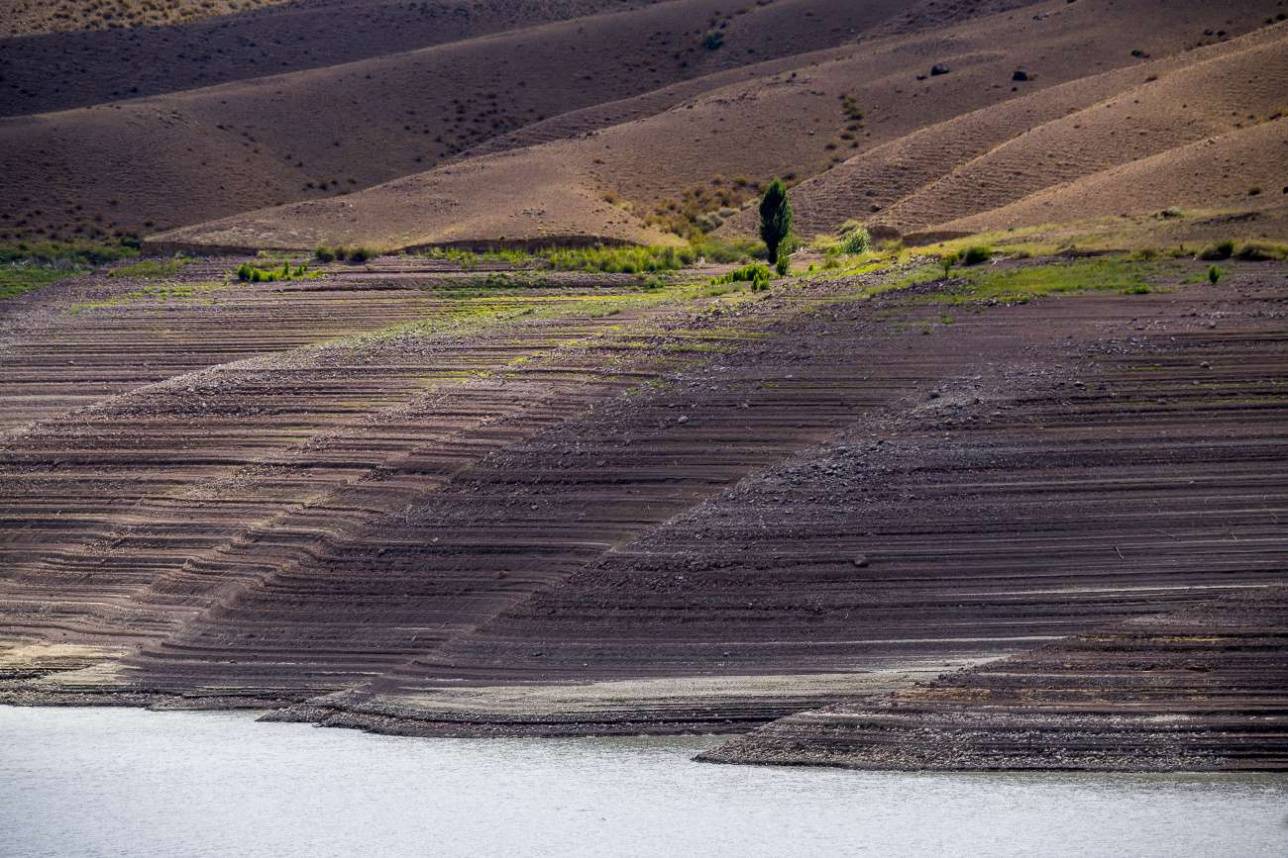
(755, 273)
(324, 254)
(1214, 275)
(976, 255)
(854, 238)
(947, 261)
(1219, 251)
(248, 273)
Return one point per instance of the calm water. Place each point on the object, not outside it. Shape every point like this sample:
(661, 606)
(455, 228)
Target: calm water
(81, 782)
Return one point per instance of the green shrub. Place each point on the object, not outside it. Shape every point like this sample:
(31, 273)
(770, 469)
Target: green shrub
(248, 273)
(854, 238)
(324, 254)
(713, 40)
(1222, 250)
(782, 266)
(361, 254)
(1214, 275)
(755, 273)
(976, 255)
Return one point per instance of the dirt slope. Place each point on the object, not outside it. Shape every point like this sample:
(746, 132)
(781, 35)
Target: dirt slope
(991, 157)
(1242, 168)
(973, 127)
(158, 162)
(45, 73)
(649, 166)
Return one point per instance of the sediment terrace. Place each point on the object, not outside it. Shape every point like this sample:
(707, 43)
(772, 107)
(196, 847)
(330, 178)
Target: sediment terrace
(1204, 688)
(410, 500)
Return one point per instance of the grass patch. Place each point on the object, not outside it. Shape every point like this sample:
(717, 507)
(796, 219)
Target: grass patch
(469, 259)
(28, 265)
(1261, 251)
(344, 254)
(1017, 285)
(78, 253)
(150, 269)
(603, 259)
(625, 259)
(160, 293)
(1022, 284)
(21, 277)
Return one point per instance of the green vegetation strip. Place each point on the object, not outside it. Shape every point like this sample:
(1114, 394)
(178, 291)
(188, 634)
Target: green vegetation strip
(1023, 283)
(16, 279)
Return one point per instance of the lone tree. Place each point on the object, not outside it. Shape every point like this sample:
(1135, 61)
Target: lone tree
(775, 217)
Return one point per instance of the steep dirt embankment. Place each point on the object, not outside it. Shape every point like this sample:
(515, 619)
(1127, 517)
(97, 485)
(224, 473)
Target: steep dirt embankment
(1200, 689)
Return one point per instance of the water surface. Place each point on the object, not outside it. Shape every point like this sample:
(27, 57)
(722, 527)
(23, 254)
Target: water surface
(99, 782)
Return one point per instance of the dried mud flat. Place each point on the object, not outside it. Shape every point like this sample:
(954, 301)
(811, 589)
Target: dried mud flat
(390, 500)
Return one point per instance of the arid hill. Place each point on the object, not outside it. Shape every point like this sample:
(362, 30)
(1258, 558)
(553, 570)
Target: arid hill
(881, 145)
(177, 158)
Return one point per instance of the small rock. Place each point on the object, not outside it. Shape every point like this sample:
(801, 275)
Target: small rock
(939, 68)
(682, 419)
(861, 560)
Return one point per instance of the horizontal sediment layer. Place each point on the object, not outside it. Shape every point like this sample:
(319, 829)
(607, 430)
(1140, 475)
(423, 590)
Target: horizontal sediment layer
(572, 506)
(1200, 689)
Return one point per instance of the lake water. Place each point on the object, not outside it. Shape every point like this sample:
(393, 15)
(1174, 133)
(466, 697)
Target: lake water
(97, 782)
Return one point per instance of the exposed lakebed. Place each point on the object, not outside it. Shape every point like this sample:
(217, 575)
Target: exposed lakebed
(90, 782)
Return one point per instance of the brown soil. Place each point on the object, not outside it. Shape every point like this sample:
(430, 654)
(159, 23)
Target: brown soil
(348, 145)
(649, 521)
(1204, 688)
